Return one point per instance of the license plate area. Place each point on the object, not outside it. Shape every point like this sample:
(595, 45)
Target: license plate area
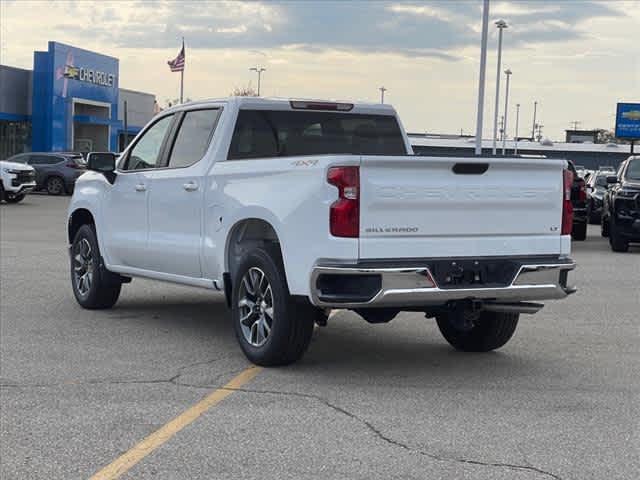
(474, 273)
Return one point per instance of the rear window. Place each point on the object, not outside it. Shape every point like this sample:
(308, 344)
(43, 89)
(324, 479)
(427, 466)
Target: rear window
(265, 134)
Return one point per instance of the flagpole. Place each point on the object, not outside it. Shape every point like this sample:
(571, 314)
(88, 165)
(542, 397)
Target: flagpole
(182, 73)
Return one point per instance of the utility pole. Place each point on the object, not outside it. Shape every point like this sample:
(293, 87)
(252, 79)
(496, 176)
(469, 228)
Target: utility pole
(501, 24)
(539, 127)
(481, 80)
(382, 90)
(575, 124)
(515, 150)
(258, 69)
(508, 73)
(533, 127)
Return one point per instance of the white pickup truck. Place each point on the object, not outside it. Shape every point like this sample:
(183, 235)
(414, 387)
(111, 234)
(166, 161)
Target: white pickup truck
(293, 208)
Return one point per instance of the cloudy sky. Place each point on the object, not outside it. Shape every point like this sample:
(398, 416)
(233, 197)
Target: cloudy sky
(576, 58)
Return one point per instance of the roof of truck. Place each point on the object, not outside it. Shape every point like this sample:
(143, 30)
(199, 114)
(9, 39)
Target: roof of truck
(277, 103)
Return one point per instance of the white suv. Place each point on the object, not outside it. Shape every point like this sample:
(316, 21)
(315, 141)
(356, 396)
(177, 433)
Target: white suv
(16, 180)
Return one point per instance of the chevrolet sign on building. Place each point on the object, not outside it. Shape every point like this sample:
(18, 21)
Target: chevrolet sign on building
(70, 101)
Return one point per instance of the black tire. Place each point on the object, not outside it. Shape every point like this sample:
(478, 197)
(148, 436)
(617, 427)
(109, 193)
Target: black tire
(604, 227)
(490, 331)
(594, 217)
(579, 231)
(14, 198)
(1, 191)
(292, 321)
(617, 242)
(55, 186)
(103, 288)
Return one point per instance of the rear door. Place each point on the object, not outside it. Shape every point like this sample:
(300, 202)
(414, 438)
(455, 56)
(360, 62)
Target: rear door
(176, 197)
(423, 207)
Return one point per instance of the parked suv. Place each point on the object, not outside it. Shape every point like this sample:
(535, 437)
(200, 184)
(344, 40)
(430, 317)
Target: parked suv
(55, 172)
(621, 210)
(596, 188)
(16, 180)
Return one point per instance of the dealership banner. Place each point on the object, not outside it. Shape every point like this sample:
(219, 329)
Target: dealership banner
(628, 121)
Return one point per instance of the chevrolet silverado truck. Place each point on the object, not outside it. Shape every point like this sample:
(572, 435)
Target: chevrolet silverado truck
(16, 180)
(293, 208)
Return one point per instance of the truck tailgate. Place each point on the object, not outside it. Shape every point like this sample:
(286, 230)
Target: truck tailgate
(426, 207)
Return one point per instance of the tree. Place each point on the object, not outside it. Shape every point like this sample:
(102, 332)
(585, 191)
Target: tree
(247, 91)
(176, 101)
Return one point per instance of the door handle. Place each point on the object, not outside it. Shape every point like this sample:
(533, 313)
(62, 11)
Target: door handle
(190, 186)
(141, 187)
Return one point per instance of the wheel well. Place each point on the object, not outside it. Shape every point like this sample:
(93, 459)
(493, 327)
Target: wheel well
(80, 217)
(244, 236)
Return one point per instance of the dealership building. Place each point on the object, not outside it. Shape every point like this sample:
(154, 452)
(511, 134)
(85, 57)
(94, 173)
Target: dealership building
(70, 101)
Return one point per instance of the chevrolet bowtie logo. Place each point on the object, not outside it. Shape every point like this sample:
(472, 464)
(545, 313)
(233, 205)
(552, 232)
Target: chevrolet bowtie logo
(71, 72)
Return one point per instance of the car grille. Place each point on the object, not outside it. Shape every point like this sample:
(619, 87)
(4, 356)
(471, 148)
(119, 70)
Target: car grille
(23, 177)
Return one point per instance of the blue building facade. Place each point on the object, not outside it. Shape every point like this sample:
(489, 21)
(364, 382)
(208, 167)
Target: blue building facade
(71, 101)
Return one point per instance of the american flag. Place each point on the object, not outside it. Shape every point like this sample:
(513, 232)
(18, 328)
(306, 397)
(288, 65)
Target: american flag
(177, 64)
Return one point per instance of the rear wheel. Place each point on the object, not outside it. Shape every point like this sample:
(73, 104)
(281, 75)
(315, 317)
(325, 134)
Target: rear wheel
(93, 285)
(579, 231)
(617, 242)
(55, 186)
(271, 326)
(483, 332)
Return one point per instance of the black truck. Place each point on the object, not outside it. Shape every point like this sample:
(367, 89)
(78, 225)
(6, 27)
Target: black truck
(621, 208)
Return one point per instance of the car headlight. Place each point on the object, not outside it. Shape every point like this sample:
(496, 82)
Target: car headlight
(12, 170)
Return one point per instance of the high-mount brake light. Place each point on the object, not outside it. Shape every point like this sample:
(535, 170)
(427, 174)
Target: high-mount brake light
(344, 214)
(567, 206)
(332, 106)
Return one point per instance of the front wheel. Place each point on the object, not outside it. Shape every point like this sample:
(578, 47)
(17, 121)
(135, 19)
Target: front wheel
(617, 242)
(14, 198)
(93, 285)
(271, 326)
(483, 332)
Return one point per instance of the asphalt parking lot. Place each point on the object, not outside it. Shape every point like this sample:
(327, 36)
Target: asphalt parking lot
(80, 388)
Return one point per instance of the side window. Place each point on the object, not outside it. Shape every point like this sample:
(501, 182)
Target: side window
(253, 137)
(44, 160)
(146, 152)
(18, 158)
(192, 140)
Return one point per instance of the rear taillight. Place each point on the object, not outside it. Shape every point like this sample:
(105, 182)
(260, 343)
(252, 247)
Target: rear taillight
(344, 214)
(567, 206)
(72, 164)
(582, 192)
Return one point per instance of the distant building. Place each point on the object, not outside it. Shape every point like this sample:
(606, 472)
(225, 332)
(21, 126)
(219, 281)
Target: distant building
(589, 155)
(71, 100)
(581, 136)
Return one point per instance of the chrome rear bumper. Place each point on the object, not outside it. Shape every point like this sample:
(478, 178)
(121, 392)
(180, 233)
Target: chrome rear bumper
(416, 287)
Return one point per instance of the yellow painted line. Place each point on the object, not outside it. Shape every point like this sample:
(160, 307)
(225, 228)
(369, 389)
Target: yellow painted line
(127, 460)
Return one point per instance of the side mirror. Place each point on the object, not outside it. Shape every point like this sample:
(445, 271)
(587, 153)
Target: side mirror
(611, 179)
(103, 162)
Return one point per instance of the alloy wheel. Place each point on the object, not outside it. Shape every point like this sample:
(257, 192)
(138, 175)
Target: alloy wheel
(83, 266)
(256, 307)
(55, 186)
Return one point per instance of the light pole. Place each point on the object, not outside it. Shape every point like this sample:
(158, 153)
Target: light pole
(259, 71)
(483, 69)
(382, 90)
(515, 152)
(508, 73)
(533, 127)
(501, 24)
